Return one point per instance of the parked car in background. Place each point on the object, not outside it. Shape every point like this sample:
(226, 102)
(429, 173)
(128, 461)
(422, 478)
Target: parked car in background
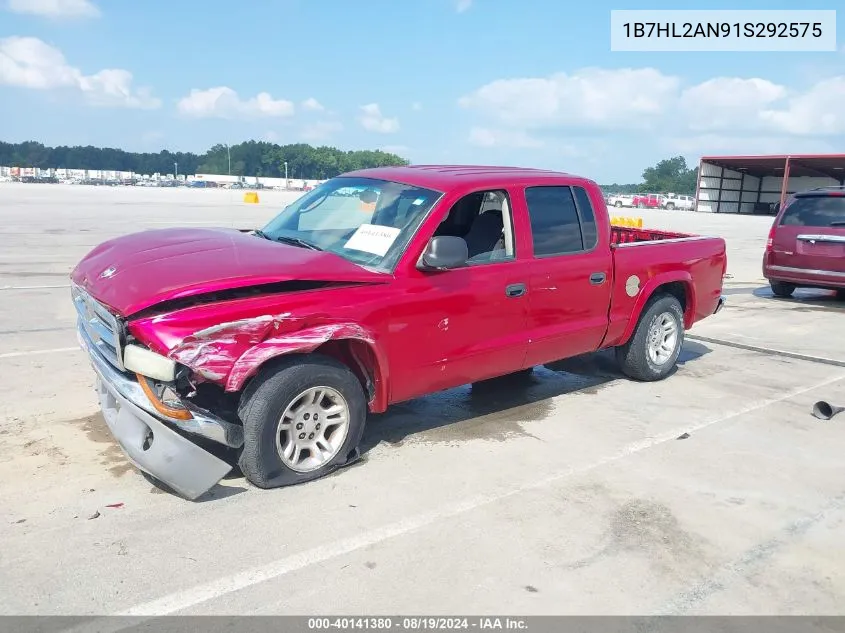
(675, 201)
(621, 200)
(806, 245)
(647, 201)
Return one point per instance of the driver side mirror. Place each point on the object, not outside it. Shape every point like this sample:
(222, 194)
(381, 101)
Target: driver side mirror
(444, 252)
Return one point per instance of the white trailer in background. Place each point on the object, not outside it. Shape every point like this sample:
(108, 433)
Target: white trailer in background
(759, 184)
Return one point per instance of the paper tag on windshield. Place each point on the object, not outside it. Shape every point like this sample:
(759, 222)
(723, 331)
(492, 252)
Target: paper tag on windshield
(372, 238)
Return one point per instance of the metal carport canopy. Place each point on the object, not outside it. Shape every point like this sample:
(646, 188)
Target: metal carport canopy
(796, 165)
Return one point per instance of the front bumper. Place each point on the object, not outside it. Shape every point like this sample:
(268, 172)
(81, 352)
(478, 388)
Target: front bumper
(148, 442)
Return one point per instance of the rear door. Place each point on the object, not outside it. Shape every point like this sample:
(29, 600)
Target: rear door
(811, 234)
(570, 274)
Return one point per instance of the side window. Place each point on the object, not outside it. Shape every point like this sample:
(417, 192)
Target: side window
(588, 218)
(555, 228)
(484, 220)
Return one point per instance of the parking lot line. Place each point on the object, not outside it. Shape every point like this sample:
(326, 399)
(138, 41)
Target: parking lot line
(767, 350)
(55, 350)
(34, 287)
(185, 599)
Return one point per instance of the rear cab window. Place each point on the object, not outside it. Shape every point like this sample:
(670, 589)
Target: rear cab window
(562, 220)
(822, 211)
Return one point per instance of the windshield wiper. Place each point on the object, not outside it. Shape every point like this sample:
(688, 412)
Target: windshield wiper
(295, 241)
(838, 223)
(261, 234)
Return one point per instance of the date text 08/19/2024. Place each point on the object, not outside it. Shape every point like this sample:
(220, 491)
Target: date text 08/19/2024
(416, 623)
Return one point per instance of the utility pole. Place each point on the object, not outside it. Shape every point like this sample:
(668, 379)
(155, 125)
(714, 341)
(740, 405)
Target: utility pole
(176, 170)
(229, 158)
(287, 182)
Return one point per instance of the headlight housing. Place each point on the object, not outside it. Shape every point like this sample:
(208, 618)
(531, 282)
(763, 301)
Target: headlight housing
(148, 363)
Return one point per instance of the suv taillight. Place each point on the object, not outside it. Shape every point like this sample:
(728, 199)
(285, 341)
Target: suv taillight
(771, 239)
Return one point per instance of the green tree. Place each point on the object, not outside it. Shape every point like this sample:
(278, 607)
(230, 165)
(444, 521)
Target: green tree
(250, 158)
(670, 175)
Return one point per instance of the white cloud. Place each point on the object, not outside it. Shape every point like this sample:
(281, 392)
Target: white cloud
(27, 62)
(224, 103)
(374, 121)
(718, 103)
(623, 98)
(485, 137)
(320, 131)
(817, 111)
(313, 105)
(54, 8)
(462, 5)
(636, 100)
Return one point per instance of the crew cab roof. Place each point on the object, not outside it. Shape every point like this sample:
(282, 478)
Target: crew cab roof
(446, 177)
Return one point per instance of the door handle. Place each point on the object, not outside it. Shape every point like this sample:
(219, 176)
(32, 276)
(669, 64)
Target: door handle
(516, 290)
(597, 278)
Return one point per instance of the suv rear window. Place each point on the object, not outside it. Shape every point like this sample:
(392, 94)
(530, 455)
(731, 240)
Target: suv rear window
(815, 211)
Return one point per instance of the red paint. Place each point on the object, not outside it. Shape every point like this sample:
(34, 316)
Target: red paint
(163, 264)
(410, 332)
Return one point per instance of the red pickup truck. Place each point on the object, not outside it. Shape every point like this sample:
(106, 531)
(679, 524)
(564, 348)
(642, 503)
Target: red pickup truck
(648, 201)
(378, 286)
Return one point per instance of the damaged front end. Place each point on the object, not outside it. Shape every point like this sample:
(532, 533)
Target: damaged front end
(160, 429)
(169, 378)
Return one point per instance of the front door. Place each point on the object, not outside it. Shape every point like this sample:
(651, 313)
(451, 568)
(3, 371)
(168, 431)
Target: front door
(453, 327)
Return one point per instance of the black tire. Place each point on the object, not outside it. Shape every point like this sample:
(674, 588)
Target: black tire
(670, 206)
(618, 204)
(267, 397)
(633, 357)
(782, 289)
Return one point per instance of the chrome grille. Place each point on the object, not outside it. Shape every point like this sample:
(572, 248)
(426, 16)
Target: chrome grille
(101, 326)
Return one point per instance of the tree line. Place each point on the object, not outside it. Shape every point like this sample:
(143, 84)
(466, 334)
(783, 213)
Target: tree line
(251, 158)
(670, 175)
(263, 159)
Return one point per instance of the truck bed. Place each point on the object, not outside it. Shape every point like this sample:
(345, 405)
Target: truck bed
(627, 235)
(643, 259)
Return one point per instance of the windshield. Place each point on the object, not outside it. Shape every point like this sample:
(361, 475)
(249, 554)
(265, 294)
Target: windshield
(364, 220)
(815, 211)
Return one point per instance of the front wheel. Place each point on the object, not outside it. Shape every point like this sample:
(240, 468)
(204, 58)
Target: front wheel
(670, 206)
(618, 205)
(652, 351)
(303, 419)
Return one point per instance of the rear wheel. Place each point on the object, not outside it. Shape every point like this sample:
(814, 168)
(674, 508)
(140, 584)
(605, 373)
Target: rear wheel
(781, 288)
(618, 204)
(652, 351)
(670, 206)
(303, 419)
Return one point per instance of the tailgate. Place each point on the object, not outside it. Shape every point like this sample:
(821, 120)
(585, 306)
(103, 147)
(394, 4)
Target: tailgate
(811, 234)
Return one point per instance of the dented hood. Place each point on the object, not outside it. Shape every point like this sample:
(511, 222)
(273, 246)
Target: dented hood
(139, 270)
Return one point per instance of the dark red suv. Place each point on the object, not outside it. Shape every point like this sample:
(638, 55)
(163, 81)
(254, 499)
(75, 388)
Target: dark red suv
(806, 246)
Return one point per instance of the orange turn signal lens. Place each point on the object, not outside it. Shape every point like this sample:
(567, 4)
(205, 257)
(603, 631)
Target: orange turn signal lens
(170, 412)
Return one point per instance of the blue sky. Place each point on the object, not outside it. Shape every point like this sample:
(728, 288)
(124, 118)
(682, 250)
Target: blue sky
(529, 83)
